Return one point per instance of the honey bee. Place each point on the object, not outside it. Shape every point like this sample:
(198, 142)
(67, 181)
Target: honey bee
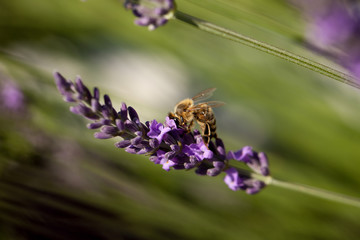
(186, 111)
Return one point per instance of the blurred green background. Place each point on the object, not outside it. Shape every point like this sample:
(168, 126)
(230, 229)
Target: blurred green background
(58, 182)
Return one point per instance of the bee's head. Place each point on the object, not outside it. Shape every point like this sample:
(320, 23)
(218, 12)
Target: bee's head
(175, 118)
(179, 120)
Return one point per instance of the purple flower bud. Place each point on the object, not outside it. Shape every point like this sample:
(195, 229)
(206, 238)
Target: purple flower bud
(106, 122)
(123, 112)
(255, 187)
(170, 155)
(219, 164)
(190, 165)
(212, 172)
(168, 139)
(96, 94)
(120, 124)
(101, 135)
(107, 101)
(62, 84)
(109, 112)
(65, 87)
(220, 148)
(154, 143)
(123, 144)
(130, 126)
(94, 125)
(84, 93)
(95, 105)
(154, 159)
(133, 115)
(144, 150)
(69, 97)
(131, 149)
(85, 111)
(175, 147)
(137, 140)
(110, 130)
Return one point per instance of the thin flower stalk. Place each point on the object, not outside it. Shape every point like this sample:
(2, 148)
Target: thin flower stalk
(305, 189)
(267, 48)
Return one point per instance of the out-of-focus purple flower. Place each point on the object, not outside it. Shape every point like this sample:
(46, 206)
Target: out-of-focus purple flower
(165, 144)
(333, 27)
(334, 30)
(12, 98)
(151, 13)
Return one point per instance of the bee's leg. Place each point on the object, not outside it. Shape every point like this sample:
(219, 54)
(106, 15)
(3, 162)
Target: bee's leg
(190, 125)
(206, 133)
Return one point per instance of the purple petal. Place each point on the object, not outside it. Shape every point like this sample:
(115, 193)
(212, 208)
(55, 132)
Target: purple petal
(242, 155)
(166, 166)
(170, 123)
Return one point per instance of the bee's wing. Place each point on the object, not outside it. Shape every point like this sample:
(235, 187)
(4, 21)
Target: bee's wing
(211, 104)
(203, 95)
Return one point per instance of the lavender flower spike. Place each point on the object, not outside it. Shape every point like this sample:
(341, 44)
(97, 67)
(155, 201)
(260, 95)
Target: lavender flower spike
(151, 13)
(165, 143)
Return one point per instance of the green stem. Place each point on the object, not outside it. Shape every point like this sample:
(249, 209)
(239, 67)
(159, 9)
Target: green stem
(336, 197)
(264, 47)
(317, 192)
